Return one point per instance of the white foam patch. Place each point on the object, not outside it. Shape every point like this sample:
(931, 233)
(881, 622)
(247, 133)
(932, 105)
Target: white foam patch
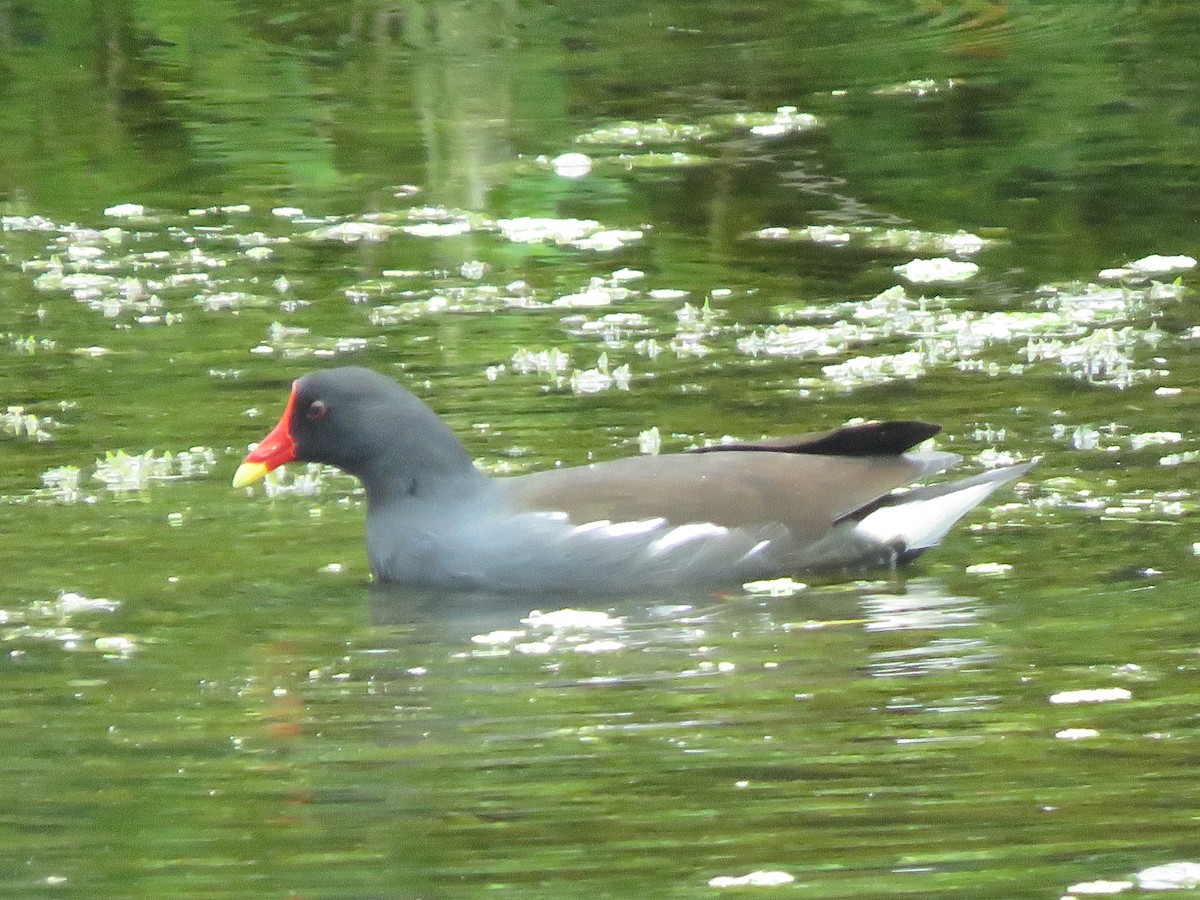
(568, 618)
(1076, 734)
(752, 879)
(496, 638)
(603, 646)
(920, 524)
(1091, 695)
(774, 587)
(682, 534)
(1170, 877)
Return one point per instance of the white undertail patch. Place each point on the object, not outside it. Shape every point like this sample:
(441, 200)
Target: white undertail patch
(920, 524)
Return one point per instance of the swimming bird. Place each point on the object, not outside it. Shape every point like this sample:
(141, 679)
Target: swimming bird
(836, 501)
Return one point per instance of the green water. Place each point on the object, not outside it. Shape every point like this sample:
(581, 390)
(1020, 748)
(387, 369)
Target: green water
(247, 716)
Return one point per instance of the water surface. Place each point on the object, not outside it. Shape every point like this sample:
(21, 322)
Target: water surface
(202, 693)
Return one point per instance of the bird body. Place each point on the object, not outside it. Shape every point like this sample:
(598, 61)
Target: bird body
(721, 515)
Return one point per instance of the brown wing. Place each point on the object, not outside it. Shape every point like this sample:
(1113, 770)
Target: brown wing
(805, 492)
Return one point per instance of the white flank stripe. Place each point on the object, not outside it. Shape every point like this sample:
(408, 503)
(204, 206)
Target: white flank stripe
(626, 529)
(684, 533)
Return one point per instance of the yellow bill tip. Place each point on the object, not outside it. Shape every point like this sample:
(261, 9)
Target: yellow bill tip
(248, 473)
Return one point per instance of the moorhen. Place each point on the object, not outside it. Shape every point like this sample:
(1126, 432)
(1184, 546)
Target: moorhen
(824, 502)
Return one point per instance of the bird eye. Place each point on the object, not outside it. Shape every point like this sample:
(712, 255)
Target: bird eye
(318, 409)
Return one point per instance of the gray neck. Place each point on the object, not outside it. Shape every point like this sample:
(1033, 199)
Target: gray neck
(420, 460)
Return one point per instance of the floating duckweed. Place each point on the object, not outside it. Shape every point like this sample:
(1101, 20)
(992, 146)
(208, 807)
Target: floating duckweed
(961, 243)
(569, 619)
(82, 253)
(470, 299)
(923, 271)
(797, 341)
(1091, 695)
(294, 342)
(611, 328)
(607, 240)
(1065, 330)
(598, 292)
(1178, 459)
(69, 603)
(62, 485)
(541, 362)
(352, 232)
(437, 229)
(30, 344)
(865, 370)
(498, 638)
(571, 165)
(121, 472)
(118, 646)
(28, 624)
(989, 569)
(585, 234)
(774, 587)
(752, 879)
(1170, 876)
(657, 160)
(227, 300)
(439, 222)
(636, 134)
(1147, 266)
(594, 381)
(1154, 438)
(693, 325)
(785, 120)
(280, 482)
(649, 442)
(231, 209)
(608, 645)
(991, 458)
(126, 211)
(83, 285)
(1091, 887)
(625, 274)
(21, 424)
(1104, 356)
(27, 223)
(473, 269)
(1082, 437)
(308, 481)
(918, 87)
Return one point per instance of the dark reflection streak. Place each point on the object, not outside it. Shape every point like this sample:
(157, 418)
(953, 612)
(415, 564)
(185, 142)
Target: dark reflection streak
(108, 24)
(722, 205)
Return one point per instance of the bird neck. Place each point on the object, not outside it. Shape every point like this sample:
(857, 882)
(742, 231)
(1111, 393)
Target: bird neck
(426, 463)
